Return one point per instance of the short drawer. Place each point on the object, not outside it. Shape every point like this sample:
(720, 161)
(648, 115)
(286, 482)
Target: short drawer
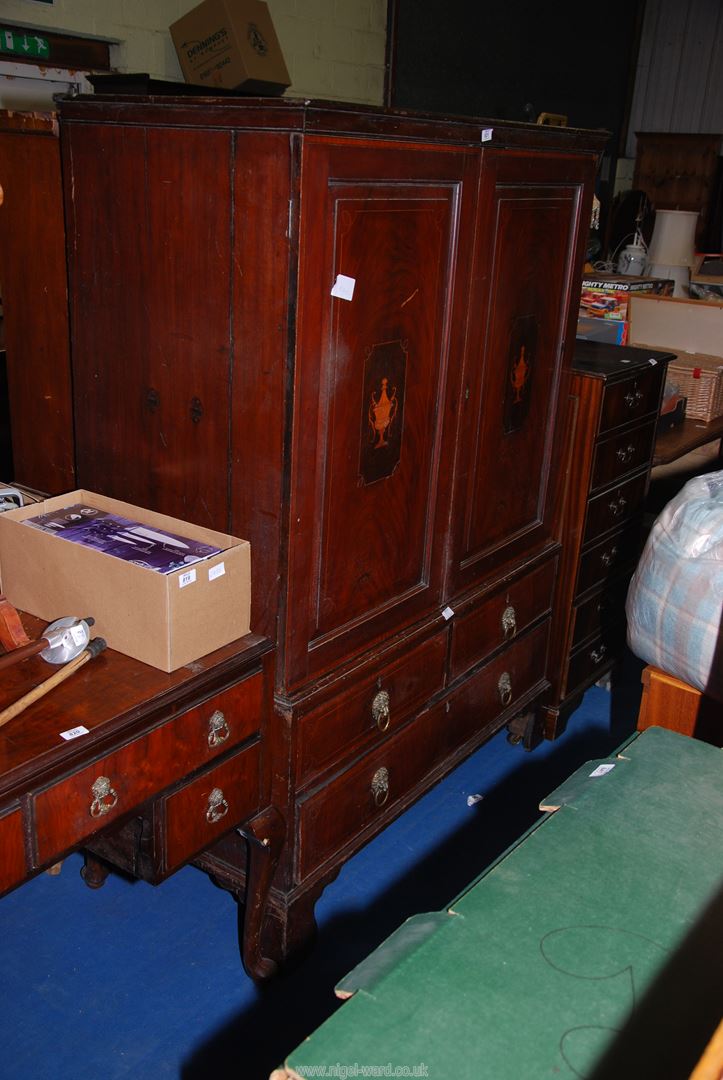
(606, 559)
(615, 506)
(335, 814)
(12, 850)
(497, 687)
(591, 659)
(622, 454)
(73, 809)
(204, 809)
(601, 612)
(501, 617)
(376, 704)
(632, 398)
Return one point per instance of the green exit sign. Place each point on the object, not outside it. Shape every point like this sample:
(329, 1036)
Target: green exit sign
(21, 43)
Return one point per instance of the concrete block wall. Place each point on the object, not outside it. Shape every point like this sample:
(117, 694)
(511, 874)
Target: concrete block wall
(333, 48)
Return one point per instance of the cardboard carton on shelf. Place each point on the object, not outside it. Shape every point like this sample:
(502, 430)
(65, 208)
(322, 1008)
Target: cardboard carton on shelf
(162, 619)
(230, 44)
(607, 296)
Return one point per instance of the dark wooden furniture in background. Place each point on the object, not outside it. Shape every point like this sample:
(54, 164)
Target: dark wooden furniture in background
(678, 172)
(393, 457)
(173, 761)
(616, 396)
(680, 440)
(35, 302)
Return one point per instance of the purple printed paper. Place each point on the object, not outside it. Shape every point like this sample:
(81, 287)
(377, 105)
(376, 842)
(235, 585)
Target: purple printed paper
(143, 545)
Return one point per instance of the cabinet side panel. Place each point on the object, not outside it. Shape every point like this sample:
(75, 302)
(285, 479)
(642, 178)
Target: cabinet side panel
(35, 303)
(264, 221)
(150, 261)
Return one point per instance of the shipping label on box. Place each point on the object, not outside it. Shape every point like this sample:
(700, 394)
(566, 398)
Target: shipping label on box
(162, 619)
(230, 44)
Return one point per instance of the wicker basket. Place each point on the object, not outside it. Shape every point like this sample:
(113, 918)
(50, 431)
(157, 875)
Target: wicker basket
(700, 379)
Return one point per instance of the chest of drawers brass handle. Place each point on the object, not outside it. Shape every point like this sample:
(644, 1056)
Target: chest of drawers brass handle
(509, 622)
(104, 795)
(608, 557)
(218, 729)
(633, 398)
(618, 506)
(217, 806)
(381, 711)
(504, 688)
(625, 454)
(597, 655)
(380, 786)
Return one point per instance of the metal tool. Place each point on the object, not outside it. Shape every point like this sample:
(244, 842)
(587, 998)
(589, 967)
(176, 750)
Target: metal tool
(59, 643)
(96, 646)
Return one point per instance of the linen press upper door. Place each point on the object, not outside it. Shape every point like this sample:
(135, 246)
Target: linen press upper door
(375, 371)
(507, 487)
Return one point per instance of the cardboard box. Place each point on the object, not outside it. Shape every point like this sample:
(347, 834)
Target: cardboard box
(165, 620)
(693, 329)
(607, 296)
(230, 44)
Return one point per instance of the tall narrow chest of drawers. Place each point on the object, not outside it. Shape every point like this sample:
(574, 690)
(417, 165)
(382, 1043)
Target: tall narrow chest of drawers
(616, 394)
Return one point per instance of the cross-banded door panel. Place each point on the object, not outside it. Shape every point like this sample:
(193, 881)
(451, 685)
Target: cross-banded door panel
(505, 495)
(371, 464)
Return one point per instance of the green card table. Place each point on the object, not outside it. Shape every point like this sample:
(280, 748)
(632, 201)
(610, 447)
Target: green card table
(120, 749)
(592, 948)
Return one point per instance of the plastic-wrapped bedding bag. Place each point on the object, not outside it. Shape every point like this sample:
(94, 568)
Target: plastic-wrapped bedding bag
(675, 600)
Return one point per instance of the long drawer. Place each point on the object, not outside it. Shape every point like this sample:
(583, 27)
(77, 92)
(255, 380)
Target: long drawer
(210, 805)
(374, 705)
(12, 850)
(73, 809)
(501, 617)
(337, 812)
(497, 687)
(331, 816)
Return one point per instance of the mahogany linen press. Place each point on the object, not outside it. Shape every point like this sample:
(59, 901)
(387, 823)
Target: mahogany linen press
(345, 334)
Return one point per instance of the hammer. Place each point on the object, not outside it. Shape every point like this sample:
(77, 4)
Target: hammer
(95, 647)
(60, 642)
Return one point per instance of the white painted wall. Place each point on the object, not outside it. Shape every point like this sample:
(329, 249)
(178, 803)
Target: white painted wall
(333, 48)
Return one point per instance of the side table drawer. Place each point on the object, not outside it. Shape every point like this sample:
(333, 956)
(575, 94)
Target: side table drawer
(12, 850)
(500, 618)
(591, 658)
(73, 809)
(378, 703)
(210, 805)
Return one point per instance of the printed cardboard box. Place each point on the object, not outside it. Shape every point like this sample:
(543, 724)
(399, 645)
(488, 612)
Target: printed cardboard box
(230, 44)
(165, 620)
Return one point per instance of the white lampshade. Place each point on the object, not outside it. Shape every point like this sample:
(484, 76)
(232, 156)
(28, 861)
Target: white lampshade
(673, 240)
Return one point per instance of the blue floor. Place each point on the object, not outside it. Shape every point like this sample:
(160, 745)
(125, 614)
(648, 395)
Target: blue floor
(143, 982)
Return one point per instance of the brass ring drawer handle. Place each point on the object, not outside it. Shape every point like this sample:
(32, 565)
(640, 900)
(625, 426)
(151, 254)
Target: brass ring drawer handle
(625, 454)
(509, 622)
(597, 655)
(217, 806)
(618, 507)
(104, 795)
(218, 729)
(380, 786)
(633, 398)
(504, 688)
(381, 712)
